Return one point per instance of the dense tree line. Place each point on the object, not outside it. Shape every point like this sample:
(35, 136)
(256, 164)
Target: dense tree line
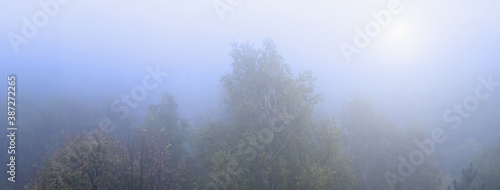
(267, 138)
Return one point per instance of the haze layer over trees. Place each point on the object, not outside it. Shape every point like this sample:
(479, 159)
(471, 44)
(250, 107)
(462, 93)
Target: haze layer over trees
(265, 135)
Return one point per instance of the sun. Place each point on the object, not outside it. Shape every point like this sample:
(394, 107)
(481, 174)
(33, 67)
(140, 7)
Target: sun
(401, 42)
(399, 34)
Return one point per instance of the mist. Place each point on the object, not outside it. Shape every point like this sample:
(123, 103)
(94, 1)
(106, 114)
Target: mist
(393, 94)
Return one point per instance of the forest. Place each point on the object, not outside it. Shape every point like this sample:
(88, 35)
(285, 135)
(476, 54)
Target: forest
(265, 135)
(250, 95)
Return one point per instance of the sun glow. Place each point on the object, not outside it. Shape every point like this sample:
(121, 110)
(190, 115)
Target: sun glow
(399, 34)
(400, 42)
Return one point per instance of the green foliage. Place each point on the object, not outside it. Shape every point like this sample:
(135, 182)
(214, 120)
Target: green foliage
(44, 128)
(266, 138)
(270, 140)
(157, 155)
(84, 164)
(154, 159)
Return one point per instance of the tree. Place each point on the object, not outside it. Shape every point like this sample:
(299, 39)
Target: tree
(488, 165)
(368, 142)
(154, 159)
(157, 155)
(271, 140)
(84, 163)
(44, 128)
(468, 176)
(375, 145)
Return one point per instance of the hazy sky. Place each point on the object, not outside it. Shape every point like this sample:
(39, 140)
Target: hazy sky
(426, 59)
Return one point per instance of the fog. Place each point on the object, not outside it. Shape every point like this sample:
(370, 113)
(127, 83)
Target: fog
(425, 68)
